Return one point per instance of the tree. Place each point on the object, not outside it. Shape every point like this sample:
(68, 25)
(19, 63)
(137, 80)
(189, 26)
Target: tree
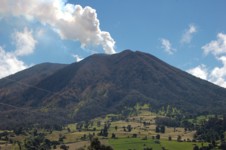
(178, 138)
(90, 136)
(162, 129)
(134, 135)
(116, 128)
(19, 145)
(86, 125)
(61, 138)
(157, 129)
(104, 132)
(158, 137)
(79, 126)
(37, 142)
(223, 145)
(211, 130)
(129, 128)
(113, 136)
(98, 123)
(170, 138)
(18, 130)
(96, 145)
(196, 147)
(64, 147)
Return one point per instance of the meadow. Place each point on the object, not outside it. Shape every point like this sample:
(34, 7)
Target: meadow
(130, 133)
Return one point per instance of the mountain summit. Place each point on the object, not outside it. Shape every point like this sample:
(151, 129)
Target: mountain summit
(102, 84)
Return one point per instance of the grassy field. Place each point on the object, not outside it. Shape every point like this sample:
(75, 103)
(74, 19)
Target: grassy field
(133, 144)
(124, 141)
(174, 145)
(139, 144)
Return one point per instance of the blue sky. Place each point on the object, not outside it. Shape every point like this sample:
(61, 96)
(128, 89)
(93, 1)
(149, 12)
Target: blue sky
(190, 35)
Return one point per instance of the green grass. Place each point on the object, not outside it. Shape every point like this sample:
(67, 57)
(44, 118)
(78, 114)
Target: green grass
(174, 145)
(133, 143)
(139, 144)
(124, 141)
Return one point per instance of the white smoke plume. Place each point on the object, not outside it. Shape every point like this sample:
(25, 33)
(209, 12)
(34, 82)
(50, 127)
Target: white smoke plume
(70, 21)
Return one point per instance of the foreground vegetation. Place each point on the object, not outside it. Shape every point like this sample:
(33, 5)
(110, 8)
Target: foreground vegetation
(136, 128)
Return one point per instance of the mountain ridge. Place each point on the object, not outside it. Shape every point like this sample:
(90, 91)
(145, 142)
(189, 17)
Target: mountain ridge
(102, 84)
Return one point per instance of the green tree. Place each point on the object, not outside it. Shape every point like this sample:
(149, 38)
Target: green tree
(113, 136)
(96, 145)
(129, 128)
(64, 147)
(178, 138)
(162, 129)
(158, 137)
(37, 142)
(170, 138)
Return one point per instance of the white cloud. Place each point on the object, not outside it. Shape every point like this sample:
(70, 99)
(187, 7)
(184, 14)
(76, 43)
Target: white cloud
(216, 75)
(70, 21)
(216, 47)
(25, 43)
(9, 63)
(166, 45)
(199, 71)
(77, 57)
(188, 34)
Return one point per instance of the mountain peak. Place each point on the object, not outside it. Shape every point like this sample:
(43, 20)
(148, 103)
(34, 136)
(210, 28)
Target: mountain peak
(127, 51)
(102, 84)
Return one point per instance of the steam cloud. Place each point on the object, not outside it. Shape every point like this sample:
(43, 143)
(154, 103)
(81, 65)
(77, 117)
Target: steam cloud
(70, 21)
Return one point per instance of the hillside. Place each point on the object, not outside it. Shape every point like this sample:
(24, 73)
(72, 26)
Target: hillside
(102, 84)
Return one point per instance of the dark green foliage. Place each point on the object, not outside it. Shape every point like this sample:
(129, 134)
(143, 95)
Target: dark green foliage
(157, 136)
(170, 138)
(166, 121)
(84, 137)
(134, 135)
(129, 128)
(64, 147)
(4, 135)
(179, 138)
(79, 126)
(224, 122)
(96, 145)
(145, 138)
(188, 126)
(18, 130)
(146, 123)
(147, 148)
(104, 131)
(223, 145)
(61, 138)
(113, 136)
(37, 142)
(160, 129)
(196, 147)
(211, 131)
